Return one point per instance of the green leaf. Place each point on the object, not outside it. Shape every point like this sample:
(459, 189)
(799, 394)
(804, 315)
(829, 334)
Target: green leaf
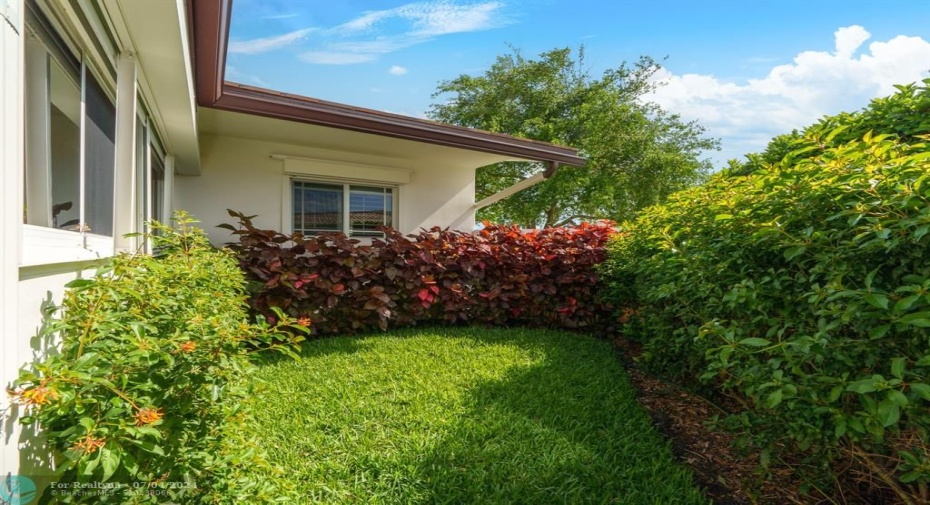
(109, 460)
(836, 131)
(921, 231)
(793, 252)
(877, 300)
(723, 217)
(905, 303)
(888, 413)
(840, 429)
(896, 397)
(85, 361)
(919, 319)
(77, 284)
(862, 386)
(147, 446)
(909, 477)
(774, 399)
(897, 367)
(922, 390)
(879, 331)
(755, 342)
(130, 464)
(86, 467)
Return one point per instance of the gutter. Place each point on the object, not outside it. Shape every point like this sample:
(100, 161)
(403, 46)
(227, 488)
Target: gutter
(209, 23)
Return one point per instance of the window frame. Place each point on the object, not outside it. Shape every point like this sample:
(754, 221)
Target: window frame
(64, 37)
(43, 243)
(289, 205)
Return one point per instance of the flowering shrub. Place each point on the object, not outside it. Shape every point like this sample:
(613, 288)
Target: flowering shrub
(146, 384)
(498, 275)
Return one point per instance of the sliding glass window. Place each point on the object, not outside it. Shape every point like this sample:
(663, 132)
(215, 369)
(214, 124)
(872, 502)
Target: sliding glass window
(70, 138)
(321, 208)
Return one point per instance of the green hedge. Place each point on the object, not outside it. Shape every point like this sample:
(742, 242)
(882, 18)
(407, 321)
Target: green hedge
(803, 291)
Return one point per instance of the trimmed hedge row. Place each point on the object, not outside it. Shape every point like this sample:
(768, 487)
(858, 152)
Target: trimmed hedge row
(802, 291)
(499, 275)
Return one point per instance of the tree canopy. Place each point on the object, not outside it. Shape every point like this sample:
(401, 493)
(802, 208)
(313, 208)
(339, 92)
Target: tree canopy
(637, 153)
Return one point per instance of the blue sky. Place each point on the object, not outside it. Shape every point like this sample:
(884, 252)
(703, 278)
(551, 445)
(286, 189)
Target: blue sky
(747, 70)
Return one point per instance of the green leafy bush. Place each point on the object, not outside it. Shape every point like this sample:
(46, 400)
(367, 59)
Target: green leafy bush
(906, 115)
(146, 385)
(803, 292)
(498, 275)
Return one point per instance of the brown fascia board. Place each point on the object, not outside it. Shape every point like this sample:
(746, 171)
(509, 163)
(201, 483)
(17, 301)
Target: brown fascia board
(210, 35)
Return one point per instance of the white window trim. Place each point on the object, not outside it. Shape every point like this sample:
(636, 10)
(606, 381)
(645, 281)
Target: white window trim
(287, 200)
(336, 170)
(44, 244)
(41, 245)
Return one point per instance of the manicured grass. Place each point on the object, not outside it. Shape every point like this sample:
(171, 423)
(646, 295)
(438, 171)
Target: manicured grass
(465, 415)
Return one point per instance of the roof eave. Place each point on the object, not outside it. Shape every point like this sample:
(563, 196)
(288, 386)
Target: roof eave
(210, 20)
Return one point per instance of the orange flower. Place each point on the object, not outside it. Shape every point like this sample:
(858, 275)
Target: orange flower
(303, 321)
(188, 346)
(147, 416)
(39, 395)
(88, 444)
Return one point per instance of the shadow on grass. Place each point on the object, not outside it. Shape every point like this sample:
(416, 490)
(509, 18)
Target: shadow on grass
(565, 431)
(559, 422)
(313, 347)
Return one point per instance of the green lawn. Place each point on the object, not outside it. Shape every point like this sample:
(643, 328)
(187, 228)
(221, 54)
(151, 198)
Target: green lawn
(465, 416)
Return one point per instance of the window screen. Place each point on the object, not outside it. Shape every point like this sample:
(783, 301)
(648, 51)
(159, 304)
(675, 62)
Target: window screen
(369, 209)
(317, 207)
(321, 208)
(99, 157)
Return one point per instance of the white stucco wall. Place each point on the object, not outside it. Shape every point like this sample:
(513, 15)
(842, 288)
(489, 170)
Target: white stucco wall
(11, 215)
(24, 290)
(40, 288)
(240, 174)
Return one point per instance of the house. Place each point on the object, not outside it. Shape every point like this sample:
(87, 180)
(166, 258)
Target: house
(116, 111)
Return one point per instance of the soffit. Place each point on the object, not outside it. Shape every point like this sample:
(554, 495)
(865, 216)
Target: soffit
(389, 151)
(158, 38)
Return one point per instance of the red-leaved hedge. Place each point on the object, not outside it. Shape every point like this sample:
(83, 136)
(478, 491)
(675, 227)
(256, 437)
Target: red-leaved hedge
(499, 275)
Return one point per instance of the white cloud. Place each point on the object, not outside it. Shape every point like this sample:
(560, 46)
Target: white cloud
(433, 18)
(849, 39)
(817, 83)
(335, 57)
(397, 70)
(365, 21)
(265, 44)
(281, 16)
(376, 33)
(234, 74)
(440, 18)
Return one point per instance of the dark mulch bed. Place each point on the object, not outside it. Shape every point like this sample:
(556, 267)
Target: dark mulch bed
(683, 418)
